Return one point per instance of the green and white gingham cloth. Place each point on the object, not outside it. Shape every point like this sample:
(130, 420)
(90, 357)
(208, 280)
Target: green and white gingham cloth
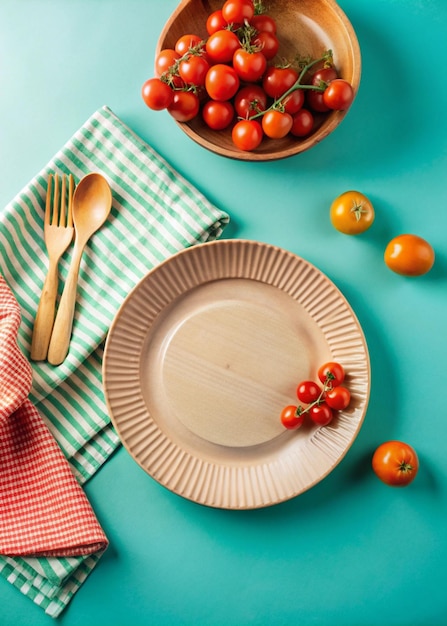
(155, 213)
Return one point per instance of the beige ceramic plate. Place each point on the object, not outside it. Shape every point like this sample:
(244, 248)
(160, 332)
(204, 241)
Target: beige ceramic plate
(206, 351)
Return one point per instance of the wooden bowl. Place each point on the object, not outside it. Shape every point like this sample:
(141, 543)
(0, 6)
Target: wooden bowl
(305, 27)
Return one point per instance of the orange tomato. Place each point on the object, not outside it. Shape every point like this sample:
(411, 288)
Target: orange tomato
(409, 255)
(352, 213)
(395, 463)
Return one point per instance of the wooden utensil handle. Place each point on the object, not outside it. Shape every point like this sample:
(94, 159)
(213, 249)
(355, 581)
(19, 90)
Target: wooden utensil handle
(43, 324)
(63, 324)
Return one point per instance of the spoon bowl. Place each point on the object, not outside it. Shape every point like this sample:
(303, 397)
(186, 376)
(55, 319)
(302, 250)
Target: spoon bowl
(305, 27)
(92, 202)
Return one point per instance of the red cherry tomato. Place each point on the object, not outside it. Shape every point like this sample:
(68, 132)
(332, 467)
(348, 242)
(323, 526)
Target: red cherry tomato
(264, 23)
(164, 60)
(156, 94)
(250, 100)
(332, 373)
(276, 124)
(293, 102)
(236, 12)
(165, 63)
(321, 414)
(396, 463)
(277, 80)
(338, 398)
(221, 82)
(193, 70)
(222, 45)
(290, 419)
(217, 115)
(303, 123)
(215, 22)
(247, 135)
(338, 95)
(308, 391)
(267, 42)
(186, 42)
(249, 66)
(185, 106)
(315, 100)
(324, 75)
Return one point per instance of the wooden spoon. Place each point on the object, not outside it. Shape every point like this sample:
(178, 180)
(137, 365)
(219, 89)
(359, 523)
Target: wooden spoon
(307, 27)
(92, 202)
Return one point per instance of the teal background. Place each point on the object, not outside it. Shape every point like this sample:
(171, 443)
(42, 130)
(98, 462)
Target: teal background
(351, 551)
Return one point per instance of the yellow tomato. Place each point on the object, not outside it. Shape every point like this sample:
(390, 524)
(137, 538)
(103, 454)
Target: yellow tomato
(352, 213)
(409, 255)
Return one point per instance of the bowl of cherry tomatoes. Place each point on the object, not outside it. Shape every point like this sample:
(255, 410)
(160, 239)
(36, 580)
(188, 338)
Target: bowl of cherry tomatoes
(255, 80)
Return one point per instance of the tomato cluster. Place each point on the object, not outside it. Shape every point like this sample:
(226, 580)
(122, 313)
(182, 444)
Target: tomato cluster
(230, 77)
(320, 400)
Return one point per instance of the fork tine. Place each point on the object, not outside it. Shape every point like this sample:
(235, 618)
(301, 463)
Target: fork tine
(63, 201)
(48, 200)
(70, 201)
(55, 200)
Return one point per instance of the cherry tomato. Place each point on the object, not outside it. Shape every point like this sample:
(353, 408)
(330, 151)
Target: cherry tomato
(276, 124)
(237, 11)
(222, 45)
(221, 82)
(321, 414)
(324, 75)
(164, 60)
(217, 115)
(193, 70)
(277, 80)
(409, 255)
(303, 123)
(293, 102)
(264, 23)
(165, 65)
(331, 372)
(308, 391)
(352, 213)
(247, 135)
(186, 42)
(395, 463)
(338, 398)
(249, 66)
(338, 95)
(215, 22)
(315, 100)
(250, 100)
(185, 106)
(156, 94)
(267, 42)
(290, 418)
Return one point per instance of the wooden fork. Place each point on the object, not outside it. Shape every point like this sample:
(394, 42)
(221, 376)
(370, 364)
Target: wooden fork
(58, 233)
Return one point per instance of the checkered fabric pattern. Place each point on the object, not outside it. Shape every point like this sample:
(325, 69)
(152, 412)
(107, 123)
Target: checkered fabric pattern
(43, 509)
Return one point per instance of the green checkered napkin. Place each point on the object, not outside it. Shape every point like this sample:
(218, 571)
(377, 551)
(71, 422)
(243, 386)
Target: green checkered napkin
(155, 213)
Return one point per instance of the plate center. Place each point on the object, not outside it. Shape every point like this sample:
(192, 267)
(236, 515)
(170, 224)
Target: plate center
(226, 363)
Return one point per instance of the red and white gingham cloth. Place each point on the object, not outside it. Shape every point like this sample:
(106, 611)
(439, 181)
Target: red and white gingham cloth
(43, 509)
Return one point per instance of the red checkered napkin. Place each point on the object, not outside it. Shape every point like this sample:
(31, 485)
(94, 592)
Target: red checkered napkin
(43, 510)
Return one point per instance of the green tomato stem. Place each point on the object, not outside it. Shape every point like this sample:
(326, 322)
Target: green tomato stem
(279, 104)
(358, 211)
(327, 386)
